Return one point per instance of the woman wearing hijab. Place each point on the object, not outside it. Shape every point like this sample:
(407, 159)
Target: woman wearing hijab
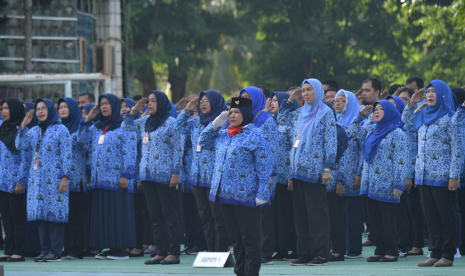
(211, 104)
(68, 111)
(385, 168)
(347, 108)
(270, 129)
(438, 166)
(283, 199)
(47, 199)
(114, 153)
(313, 155)
(241, 180)
(159, 172)
(12, 182)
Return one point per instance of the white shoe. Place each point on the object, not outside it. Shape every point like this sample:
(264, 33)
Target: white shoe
(457, 255)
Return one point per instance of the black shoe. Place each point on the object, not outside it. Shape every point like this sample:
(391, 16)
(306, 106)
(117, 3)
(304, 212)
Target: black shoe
(153, 261)
(40, 258)
(12, 260)
(291, 257)
(373, 259)
(195, 250)
(339, 258)
(388, 260)
(169, 262)
(318, 261)
(184, 251)
(403, 253)
(52, 258)
(300, 262)
(141, 254)
(416, 254)
(279, 256)
(4, 259)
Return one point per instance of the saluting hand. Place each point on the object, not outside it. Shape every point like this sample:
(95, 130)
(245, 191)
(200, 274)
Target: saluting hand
(192, 104)
(295, 95)
(92, 114)
(27, 119)
(366, 110)
(220, 120)
(139, 106)
(397, 93)
(417, 97)
(267, 105)
(383, 95)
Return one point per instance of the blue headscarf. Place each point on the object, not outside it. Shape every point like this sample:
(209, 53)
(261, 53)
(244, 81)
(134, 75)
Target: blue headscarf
(258, 103)
(162, 114)
(173, 111)
(88, 107)
(35, 121)
(282, 97)
(400, 105)
(390, 121)
(52, 116)
(308, 127)
(444, 105)
(74, 116)
(115, 119)
(217, 105)
(351, 109)
(131, 103)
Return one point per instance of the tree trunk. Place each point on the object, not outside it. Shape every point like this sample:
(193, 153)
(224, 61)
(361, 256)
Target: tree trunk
(148, 81)
(178, 85)
(28, 45)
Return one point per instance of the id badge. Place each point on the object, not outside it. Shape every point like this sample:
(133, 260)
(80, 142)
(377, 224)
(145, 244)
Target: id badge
(36, 164)
(198, 148)
(296, 143)
(101, 139)
(145, 141)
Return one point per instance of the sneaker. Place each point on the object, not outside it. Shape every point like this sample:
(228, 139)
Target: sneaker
(195, 250)
(102, 255)
(291, 257)
(403, 254)
(267, 262)
(353, 256)
(457, 255)
(318, 261)
(74, 257)
(279, 256)
(118, 256)
(40, 258)
(52, 258)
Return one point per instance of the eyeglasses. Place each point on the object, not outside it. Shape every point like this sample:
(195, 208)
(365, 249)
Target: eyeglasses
(41, 109)
(203, 102)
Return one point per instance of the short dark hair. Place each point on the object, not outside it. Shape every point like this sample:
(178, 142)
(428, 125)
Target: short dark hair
(393, 88)
(137, 98)
(375, 83)
(331, 84)
(292, 88)
(89, 95)
(266, 90)
(406, 89)
(331, 89)
(419, 81)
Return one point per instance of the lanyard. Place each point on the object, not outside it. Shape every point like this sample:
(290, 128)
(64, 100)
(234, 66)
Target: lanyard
(311, 117)
(257, 115)
(40, 137)
(105, 130)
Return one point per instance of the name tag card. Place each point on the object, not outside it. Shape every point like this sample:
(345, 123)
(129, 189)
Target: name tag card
(214, 259)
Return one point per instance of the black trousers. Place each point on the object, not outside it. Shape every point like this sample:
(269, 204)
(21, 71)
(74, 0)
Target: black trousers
(52, 236)
(461, 201)
(214, 226)
(87, 220)
(382, 217)
(267, 230)
(337, 218)
(162, 205)
(416, 216)
(284, 206)
(75, 228)
(193, 230)
(439, 207)
(140, 219)
(403, 223)
(13, 211)
(243, 228)
(366, 217)
(311, 219)
(354, 218)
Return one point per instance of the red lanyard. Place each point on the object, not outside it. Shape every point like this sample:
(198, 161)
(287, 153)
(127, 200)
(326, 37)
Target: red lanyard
(311, 117)
(105, 130)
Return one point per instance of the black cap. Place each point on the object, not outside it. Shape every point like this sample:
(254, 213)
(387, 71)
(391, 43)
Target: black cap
(241, 102)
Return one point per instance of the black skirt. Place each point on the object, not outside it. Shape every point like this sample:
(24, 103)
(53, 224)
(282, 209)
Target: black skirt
(112, 219)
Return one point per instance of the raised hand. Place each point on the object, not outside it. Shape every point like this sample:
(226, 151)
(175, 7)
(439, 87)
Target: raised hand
(220, 120)
(192, 104)
(417, 97)
(366, 110)
(358, 94)
(181, 103)
(398, 91)
(383, 95)
(295, 95)
(267, 105)
(92, 114)
(27, 119)
(139, 106)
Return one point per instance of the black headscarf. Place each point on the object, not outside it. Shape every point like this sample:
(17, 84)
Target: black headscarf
(35, 121)
(52, 115)
(459, 95)
(9, 129)
(74, 115)
(163, 108)
(217, 105)
(115, 119)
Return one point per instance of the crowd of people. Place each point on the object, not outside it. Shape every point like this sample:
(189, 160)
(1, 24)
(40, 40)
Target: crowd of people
(294, 176)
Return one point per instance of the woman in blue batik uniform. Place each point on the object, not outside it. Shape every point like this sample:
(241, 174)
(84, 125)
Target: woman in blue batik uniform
(241, 180)
(47, 198)
(159, 172)
(77, 184)
(12, 182)
(211, 104)
(385, 168)
(437, 167)
(313, 155)
(114, 153)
